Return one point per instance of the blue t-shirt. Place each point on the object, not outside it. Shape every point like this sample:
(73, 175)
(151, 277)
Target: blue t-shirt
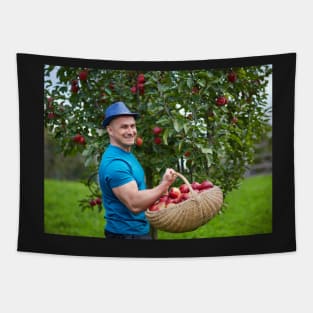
(118, 168)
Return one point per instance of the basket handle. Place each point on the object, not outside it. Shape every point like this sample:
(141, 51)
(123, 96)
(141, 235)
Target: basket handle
(182, 177)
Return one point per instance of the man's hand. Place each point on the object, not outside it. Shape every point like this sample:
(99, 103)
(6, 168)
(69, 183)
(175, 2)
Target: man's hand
(169, 177)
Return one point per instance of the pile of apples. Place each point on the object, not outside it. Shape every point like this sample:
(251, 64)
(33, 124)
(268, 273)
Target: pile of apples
(179, 194)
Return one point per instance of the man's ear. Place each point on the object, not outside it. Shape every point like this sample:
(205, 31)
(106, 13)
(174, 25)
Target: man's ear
(109, 129)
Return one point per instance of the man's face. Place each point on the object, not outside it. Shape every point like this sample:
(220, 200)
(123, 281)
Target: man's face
(122, 131)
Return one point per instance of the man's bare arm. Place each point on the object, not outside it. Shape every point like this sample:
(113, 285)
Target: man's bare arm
(139, 200)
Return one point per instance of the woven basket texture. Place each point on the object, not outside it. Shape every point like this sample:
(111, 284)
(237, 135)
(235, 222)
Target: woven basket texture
(189, 214)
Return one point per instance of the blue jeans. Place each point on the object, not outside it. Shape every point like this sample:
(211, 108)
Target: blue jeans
(109, 235)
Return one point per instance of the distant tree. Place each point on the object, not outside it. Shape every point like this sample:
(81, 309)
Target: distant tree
(58, 166)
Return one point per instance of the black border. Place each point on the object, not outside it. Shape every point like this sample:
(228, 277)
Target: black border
(31, 236)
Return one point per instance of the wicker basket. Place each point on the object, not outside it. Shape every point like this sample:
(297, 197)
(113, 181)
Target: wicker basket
(190, 214)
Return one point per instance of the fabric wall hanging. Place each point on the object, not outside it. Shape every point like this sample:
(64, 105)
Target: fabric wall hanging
(223, 127)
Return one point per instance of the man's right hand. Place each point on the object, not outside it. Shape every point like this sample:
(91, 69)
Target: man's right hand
(169, 176)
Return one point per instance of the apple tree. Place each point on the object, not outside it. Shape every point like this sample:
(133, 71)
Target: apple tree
(204, 123)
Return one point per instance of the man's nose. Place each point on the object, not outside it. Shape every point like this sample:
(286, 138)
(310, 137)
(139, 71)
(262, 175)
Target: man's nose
(130, 130)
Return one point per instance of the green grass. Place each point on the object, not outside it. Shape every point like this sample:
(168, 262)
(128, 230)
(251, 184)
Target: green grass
(249, 212)
(62, 214)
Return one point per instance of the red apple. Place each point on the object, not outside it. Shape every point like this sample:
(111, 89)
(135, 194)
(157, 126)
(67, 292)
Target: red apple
(79, 139)
(74, 88)
(184, 188)
(163, 198)
(195, 185)
(92, 202)
(234, 120)
(161, 205)
(154, 207)
(133, 89)
(195, 90)
(178, 200)
(83, 75)
(141, 78)
(206, 185)
(51, 115)
(187, 154)
(185, 196)
(170, 201)
(76, 138)
(98, 201)
(157, 130)
(82, 140)
(232, 77)
(174, 193)
(222, 100)
(139, 141)
(157, 140)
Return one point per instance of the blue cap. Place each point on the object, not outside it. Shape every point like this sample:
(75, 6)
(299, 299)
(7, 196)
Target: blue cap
(117, 109)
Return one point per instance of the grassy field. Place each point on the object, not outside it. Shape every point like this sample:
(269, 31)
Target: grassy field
(249, 211)
(62, 214)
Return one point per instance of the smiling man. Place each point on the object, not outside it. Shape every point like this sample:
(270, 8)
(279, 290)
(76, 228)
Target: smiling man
(122, 178)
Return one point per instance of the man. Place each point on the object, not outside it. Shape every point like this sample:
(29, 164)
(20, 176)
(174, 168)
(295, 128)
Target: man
(122, 179)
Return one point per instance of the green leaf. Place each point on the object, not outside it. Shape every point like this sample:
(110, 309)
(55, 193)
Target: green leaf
(88, 161)
(186, 128)
(209, 160)
(177, 125)
(189, 82)
(201, 83)
(165, 136)
(86, 152)
(206, 150)
(108, 91)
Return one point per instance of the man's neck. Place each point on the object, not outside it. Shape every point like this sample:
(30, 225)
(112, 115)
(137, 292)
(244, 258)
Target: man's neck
(124, 148)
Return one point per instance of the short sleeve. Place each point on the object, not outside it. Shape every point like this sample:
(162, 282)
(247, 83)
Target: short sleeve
(118, 173)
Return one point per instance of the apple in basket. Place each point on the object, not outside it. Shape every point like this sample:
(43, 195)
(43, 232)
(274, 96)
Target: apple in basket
(205, 185)
(159, 204)
(170, 202)
(195, 186)
(184, 188)
(164, 198)
(174, 193)
(154, 207)
(185, 196)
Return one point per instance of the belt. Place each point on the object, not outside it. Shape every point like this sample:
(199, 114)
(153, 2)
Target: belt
(110, 235)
